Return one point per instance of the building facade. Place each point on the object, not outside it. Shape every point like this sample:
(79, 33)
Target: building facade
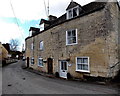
(3, 53)
(82, 42)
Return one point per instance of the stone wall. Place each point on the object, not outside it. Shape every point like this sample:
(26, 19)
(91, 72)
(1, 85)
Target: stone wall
(3, 52)
(97, 39)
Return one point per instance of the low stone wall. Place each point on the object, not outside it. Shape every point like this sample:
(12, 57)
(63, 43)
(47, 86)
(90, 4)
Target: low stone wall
(8, 61)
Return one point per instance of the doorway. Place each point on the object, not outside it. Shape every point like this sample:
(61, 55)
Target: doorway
(63, 69)
(27, 62)
(50, 65)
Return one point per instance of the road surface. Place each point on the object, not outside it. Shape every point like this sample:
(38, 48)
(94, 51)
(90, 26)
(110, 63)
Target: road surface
(16, 80)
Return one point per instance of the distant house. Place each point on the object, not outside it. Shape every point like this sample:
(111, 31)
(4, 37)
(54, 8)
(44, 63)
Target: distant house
(13, 54)
(3, 53)
(85, 41)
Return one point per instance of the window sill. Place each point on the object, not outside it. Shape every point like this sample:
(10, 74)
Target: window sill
(40, 66)
(71, 44)
(40, 49)
(82, 71)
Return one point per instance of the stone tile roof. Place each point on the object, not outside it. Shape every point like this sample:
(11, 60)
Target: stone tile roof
(44, 21)
(86, 9)
(72, 4)
(34, 29)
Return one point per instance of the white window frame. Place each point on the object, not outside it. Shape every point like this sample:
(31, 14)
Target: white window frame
(32, 62)
(72, 12)
(41, 45)
(88, 71)
(30, 33)
(67, 37)
(118, 2)
(42, 27)
(39, 63)
(32, 46)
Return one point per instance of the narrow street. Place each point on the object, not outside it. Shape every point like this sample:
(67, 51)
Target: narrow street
(16, 80)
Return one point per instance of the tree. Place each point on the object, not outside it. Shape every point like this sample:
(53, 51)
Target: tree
(14, 43)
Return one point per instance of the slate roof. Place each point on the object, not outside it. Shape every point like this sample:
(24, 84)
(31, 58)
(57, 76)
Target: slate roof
(93, 6)
(34, 29)
(86, 9)
(72, 5)
(44, 21)
(7, 46)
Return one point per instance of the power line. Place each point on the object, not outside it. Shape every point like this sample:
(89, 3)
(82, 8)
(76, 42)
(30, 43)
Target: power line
(16, 19)
(48, 7)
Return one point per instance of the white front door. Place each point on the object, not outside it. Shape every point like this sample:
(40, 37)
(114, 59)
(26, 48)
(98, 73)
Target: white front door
(63, 69)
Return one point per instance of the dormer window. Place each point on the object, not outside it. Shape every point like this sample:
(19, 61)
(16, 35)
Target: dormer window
(41, 27)
(118, 2)
(30, 33)
(73, 12)
(70, 15)
(33, 31)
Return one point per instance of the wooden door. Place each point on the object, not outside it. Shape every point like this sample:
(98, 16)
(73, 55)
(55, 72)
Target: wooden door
(50, 65)
(27, 61)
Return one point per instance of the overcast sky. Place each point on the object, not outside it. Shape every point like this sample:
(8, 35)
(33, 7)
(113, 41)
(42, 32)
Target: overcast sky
(28, 13)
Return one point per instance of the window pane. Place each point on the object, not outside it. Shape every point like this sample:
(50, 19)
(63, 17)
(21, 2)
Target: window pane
(74, 40)
(74, 12)
(32, 61)
(32, 46)
(85, 60)
(40, 62)
(69, 33)
(79, 67)
(61, 65)
(69, 41)
(85, 67)
(41, 45)
(65, 65)
(73, 33)
(79, 60)
(70, 14)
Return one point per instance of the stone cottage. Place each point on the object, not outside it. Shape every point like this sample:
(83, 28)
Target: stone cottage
(3, 54)
(83, 42)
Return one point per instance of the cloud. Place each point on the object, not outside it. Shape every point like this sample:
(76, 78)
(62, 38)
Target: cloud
(9, 31)
(28, 13)
(5, 9)
(34, 9)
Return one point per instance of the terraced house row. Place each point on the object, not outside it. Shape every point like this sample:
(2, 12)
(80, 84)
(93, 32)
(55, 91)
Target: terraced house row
(83, 42)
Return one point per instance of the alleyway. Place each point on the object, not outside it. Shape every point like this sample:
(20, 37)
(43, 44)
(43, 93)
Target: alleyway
(16, 80)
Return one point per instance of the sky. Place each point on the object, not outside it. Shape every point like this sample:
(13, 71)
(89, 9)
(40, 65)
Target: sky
(17, 16)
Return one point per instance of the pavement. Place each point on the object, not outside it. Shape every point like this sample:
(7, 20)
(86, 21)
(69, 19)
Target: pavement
(16, 80)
